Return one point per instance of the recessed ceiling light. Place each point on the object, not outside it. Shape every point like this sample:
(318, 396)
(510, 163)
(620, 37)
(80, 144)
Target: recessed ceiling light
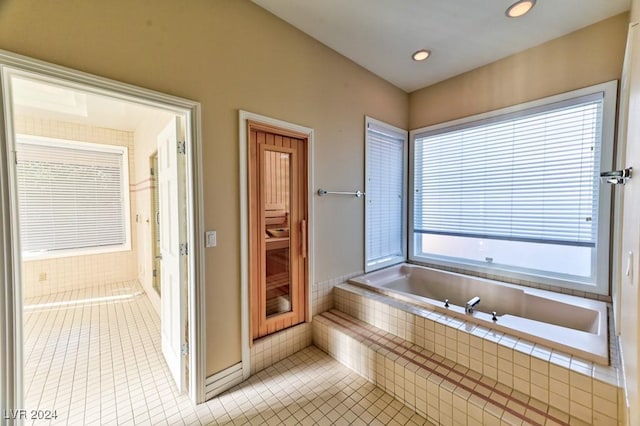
(520, 8)
(421, 55)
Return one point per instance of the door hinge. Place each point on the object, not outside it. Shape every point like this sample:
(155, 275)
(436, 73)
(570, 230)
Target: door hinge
(155, 273)
(182, 147)
(185, 349)
(184, 249)
(151, 171)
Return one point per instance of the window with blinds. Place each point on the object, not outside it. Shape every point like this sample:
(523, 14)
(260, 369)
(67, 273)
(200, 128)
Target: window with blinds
(385, 195)
(516, 191)
(71, 196)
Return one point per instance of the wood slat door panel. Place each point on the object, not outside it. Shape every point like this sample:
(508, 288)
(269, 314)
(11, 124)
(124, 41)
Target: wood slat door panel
(277, 203)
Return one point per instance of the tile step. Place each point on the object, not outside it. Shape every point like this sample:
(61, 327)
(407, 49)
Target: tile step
(435, 387)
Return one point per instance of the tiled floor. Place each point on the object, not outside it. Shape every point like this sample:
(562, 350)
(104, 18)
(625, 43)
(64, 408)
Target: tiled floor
(310, 388)
(94, 357)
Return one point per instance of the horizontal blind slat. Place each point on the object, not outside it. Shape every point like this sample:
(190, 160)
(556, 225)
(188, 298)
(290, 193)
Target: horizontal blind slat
(69, 198)
(384, 189)
(500, 179)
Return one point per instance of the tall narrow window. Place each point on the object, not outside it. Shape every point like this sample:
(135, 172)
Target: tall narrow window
(518, 192)
(385, 195)
(72, 196)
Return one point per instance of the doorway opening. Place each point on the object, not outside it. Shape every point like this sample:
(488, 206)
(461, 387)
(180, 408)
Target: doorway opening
(86, 314)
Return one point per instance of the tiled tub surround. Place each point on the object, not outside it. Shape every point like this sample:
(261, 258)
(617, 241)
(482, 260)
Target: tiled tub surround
(442, 391)
(571, 324)
(587, 392)
(321, 293)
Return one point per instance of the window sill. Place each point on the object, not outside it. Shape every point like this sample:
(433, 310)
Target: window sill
(557, 284)
(57, 254)
(383, 263)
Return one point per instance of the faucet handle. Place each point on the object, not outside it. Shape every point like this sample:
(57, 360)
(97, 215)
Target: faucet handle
(494, 316)
(446, 303)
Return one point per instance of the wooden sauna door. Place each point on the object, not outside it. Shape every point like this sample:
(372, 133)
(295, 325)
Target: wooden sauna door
(277, 228)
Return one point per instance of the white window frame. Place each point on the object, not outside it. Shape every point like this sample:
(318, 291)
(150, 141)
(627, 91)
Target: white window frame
(73, 144)
(600, 256)
(392, 260)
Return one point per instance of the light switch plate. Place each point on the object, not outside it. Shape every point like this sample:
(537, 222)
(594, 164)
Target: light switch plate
(211, 239)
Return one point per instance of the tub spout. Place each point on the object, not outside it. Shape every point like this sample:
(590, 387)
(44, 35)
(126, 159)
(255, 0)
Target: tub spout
(468, 307)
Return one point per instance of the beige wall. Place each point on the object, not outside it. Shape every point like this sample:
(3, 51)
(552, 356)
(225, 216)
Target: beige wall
(46, 276)
(228, 55)
(588, 56)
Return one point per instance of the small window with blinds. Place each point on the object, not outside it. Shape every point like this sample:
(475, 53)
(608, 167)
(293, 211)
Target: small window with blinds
(517, 193)
(385, 188)
(72, 197)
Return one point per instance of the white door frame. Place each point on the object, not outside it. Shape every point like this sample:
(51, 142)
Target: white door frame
(244, 118)
(11, 374)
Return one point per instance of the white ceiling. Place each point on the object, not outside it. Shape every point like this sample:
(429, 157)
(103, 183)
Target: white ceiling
(56, 102)
(381, 35)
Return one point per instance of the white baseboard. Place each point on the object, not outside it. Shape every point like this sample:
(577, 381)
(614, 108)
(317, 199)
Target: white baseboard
(222, 381)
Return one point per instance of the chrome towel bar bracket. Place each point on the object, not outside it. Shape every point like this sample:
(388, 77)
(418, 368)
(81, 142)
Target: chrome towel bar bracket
(358, 194)
(616, 177)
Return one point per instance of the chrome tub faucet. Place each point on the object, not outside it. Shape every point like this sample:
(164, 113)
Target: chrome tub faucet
(471, 304)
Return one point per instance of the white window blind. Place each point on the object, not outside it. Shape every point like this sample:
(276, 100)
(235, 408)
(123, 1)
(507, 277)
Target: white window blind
(531, 176)
(70, 197)
(385, 196)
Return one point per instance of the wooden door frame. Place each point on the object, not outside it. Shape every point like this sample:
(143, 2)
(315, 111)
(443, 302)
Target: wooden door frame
(10, 259)
(269, 124)
(298, 293)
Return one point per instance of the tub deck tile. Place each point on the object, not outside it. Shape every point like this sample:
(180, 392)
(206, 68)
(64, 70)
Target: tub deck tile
(545, 374)
(454, 382)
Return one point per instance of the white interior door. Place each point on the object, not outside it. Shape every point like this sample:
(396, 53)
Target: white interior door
(629, 263)
(172, 227)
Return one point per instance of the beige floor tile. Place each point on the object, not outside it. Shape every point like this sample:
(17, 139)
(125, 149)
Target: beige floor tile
(98, 361)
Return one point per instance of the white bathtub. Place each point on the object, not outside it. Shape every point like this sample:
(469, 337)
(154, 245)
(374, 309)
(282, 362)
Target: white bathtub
(570, 324)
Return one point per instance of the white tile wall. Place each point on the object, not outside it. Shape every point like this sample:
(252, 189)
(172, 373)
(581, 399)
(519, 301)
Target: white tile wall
(322, 293)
